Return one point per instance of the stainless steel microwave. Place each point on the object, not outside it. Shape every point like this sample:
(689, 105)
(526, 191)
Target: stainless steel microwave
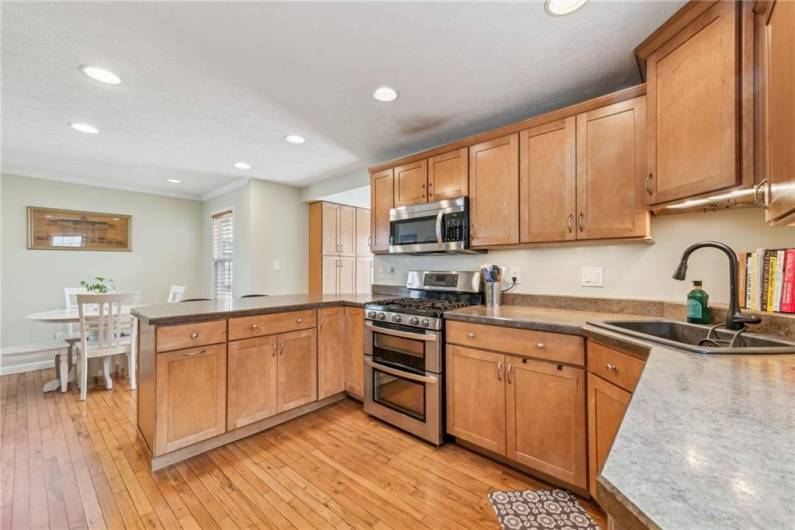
(430, 228)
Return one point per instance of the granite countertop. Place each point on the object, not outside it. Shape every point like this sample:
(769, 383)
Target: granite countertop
(708, 441)
(164, 314)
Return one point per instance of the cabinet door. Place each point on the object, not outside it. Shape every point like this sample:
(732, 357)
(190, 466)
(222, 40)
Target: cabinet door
(410, 183)
(364, 274)
(297, 369)
(607, 404)
(476, 397)
(354, 351)
(448, 175)
(381, 200)
(330, 229)
(330, 346)
(191, 396)
(494, 192)
(346, 275)
(330, 274)
(778, 93)
(362, 232)
(251, 380)
(692, 90)
(610, 163)
(547, 158)
(546, 418)
(346, 230)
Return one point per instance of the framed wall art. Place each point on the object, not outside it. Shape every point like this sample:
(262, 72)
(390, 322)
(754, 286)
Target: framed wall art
(55, 229)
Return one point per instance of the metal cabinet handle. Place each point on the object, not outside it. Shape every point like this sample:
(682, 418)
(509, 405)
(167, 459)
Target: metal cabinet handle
(192, 353)
(612, 368)
(471, 334)
(194, 335)
(275, 348)
(299, 320)
(540, 345)
(757, 189)
(281, 347)
(499, 371)
(370, 241)
(581, 221)
(648, 184)
(254, 326)
(508, 373)
(570, 222)
(471, 231)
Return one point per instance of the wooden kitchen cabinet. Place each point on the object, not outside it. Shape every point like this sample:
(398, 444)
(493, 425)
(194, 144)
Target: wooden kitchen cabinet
(191, 396)
(411, 182)
(252, 369)
(610, 167)
(381, 200)
(545, 410)
(338, 236)
(547, 176)
(330, 351)
(494, 191)
(338, 229)
(693, 107)
(448, 175)
(296, 370)
(607, 404)
(476, 397)
(353, 352)
(776, 26)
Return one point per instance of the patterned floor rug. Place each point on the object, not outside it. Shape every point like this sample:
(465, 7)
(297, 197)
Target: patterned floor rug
(540, 510)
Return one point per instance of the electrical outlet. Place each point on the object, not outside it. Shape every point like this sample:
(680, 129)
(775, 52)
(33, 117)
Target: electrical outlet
(277, 266)
(592, 276)
(516, 273)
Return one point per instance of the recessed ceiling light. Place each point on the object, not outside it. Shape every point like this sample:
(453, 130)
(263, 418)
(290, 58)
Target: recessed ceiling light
(101, 75)
(242, 165)
(84, 128)
(295, 139)
(385, 94)
(175, 181)
(558, 8)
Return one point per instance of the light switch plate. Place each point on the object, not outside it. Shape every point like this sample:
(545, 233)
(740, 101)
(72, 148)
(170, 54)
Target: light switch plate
(592, 276)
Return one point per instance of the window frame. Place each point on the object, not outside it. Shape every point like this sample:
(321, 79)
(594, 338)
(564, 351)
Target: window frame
(213, 260)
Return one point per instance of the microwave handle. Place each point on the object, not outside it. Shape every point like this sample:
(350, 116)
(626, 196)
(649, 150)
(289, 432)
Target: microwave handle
(400, 373)
(439, 221)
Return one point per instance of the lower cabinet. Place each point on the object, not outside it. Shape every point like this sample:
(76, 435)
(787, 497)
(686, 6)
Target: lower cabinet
(330, 351)
(191, 396)
(296, 370)
(353, 351)
(252, 380)
(607, 404)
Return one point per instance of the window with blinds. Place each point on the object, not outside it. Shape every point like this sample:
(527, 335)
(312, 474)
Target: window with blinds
(222, 254)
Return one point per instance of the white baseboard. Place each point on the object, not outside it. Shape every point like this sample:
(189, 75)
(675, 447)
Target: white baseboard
(26, 367)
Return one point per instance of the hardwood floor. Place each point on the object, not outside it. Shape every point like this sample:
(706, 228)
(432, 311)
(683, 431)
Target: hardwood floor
(71, 464)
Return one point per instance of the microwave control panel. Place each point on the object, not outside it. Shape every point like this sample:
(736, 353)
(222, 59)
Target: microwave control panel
(455, 226)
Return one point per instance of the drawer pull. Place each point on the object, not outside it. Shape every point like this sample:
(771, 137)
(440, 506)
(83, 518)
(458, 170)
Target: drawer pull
(299, 320)
(540, 345)
(471, 334)
(254, 326)
(499, 371)
(192, 353)
(612, 368)
(508, 373)
(194, 335)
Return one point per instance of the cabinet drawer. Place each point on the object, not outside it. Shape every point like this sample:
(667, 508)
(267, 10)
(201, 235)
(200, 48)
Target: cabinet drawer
(256, 326)
(568, 349)
(614, 366)
(190, 335)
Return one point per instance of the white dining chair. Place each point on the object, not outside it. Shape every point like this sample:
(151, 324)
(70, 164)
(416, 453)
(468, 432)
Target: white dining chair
(106, 329)
(176, 294)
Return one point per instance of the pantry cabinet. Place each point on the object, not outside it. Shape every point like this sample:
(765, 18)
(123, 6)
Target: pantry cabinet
(448, 175)
(338, 241)
(494, 192)
(411, 182)
(381, 200)
(694, 112)
(776, 28)
(610, 166)
(338, 229)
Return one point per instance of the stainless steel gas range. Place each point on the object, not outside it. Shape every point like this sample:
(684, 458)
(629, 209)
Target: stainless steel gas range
(404, 350)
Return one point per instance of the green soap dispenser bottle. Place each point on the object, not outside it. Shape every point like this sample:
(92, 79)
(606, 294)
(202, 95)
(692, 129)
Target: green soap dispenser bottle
(698, 305)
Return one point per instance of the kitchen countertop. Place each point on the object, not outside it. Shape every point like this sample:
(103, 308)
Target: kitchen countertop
(165, 314)
(708, 441)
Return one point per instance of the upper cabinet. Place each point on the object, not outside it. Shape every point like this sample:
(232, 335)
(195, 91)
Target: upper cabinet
(696, 104)
(338, 229)
(610, 167)
(411, 182)
(339, 238)
(382, 199)
(776, 38)
(448, 175)
(494, 192)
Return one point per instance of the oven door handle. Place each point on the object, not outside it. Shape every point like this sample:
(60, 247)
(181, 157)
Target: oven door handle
(439, 221)
(400, 373)
(401, 334)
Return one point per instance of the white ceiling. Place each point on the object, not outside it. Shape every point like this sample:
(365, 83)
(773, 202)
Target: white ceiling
(207, 84)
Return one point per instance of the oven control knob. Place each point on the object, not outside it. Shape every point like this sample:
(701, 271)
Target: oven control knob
(371, 314)
(414, 321)
(426, 322)
(381, 316)
(395, 318)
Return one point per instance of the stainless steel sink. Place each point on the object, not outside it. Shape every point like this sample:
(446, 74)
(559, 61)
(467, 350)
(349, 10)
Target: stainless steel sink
(693, 337)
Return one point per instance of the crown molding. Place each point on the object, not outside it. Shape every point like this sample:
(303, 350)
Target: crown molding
(226, 188)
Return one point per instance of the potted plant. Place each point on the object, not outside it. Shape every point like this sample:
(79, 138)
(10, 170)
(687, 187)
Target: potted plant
(99, 285)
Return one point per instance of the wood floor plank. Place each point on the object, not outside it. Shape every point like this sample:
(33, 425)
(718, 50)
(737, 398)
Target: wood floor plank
(79, 465)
